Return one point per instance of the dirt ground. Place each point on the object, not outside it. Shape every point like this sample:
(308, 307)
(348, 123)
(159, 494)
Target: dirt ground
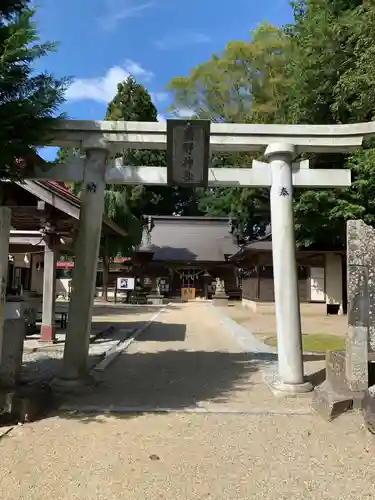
(313, 316)
(225, 435)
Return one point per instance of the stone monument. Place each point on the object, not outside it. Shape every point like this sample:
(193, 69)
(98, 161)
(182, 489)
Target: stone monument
(155, 297)
(349, 373)
(220, 298)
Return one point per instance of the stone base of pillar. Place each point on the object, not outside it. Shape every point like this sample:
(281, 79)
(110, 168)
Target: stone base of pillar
(330, 404)
(47, 334)
(26, 403)
(280, 388)
(61, 385)
(155, 299)
(220, 300)
(337, 394)
(292, 388)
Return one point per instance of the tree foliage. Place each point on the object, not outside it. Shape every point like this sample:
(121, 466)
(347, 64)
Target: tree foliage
(28, 100)
(317, 70)
(126, 205)
(133, 103)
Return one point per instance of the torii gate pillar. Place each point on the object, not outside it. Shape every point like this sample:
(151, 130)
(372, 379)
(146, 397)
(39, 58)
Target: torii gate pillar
(74, 373)
(281, 175)
(288, 318)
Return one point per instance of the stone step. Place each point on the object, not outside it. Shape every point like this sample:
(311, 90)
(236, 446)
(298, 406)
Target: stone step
(330, 404)
(336, 370)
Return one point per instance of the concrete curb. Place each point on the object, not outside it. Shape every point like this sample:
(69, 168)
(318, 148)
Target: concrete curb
(242, 335)
(112, 354)
(4, 431)
(49, 347)
(305, 353)
(195, 410)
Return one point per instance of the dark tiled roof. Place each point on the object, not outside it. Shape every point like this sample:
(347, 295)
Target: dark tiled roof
(61, 190)
(190, 239)
(265, 245)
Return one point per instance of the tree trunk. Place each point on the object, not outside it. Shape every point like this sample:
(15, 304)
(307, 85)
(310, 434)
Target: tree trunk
(105, 277)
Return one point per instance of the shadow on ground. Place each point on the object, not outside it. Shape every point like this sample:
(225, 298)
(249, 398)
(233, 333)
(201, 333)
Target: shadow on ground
(175, 379)
(101, 331)
(167, 379)
(124, 309)
(170, 379)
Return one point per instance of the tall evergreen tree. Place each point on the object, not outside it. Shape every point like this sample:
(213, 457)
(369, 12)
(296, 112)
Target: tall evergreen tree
(28, 101)
(133, 103)
(127, 204)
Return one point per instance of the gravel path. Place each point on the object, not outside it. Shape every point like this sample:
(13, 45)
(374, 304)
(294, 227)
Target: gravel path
(188, 457)
(186, 360)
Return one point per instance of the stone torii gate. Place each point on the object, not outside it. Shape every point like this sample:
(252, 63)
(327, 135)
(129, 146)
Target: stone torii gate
(281, 144)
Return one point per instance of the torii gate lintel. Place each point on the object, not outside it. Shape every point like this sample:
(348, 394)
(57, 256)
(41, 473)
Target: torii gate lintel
(100, 140)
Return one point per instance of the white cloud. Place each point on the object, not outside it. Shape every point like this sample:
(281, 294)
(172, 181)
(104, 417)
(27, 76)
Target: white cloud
(178, 40)
(159, 97)
(119, 10)
(184, 112)
(103, 88)
(161, 118)
(136, 70)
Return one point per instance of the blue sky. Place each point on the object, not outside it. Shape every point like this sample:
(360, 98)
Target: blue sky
(101, 42)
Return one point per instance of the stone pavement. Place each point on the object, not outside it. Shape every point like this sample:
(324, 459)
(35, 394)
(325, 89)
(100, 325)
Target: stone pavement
(187, 360)
(111, 326)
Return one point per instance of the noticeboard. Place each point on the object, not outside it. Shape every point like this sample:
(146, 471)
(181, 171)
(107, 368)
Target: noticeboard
(125, 283)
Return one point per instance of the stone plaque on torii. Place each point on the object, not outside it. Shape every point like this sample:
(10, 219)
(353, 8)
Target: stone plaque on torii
(101, 140)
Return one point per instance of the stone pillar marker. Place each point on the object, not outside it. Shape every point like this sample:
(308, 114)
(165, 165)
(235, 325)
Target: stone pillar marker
(5, 219)
(12, 324)
(288, 319)
(360, 243)
(75, 366)
(348, 372)
(47, 331)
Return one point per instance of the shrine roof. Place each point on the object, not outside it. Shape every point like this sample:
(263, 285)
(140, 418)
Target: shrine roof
(190, 239)
(264, 245)
(62, 205)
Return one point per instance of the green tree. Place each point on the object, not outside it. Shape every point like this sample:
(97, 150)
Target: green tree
(126, 205)
(28, 100)
(317, 70)
(331, 71)
(246, 83)
(133, 103)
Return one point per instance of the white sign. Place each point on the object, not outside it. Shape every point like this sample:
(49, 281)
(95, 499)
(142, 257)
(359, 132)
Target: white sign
(125, 283)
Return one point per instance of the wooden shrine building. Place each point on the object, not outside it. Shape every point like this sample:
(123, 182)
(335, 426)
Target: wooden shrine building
(186, 255)
(321, 274)
(44, 224)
